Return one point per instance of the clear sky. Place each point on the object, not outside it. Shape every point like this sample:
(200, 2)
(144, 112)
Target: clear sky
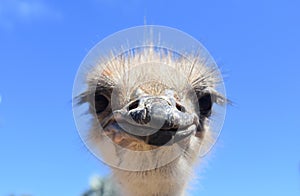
(256, 43)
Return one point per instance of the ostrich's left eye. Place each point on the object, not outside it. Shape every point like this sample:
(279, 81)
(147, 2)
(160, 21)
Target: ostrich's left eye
(205, 105)
(101, 103)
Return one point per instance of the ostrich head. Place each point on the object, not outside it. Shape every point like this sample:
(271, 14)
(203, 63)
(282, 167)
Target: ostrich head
(150, 108)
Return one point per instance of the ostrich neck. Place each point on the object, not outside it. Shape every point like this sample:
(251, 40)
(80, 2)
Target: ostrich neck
(169, 180)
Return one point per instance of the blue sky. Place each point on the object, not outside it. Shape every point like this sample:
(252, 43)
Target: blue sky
(256, 43)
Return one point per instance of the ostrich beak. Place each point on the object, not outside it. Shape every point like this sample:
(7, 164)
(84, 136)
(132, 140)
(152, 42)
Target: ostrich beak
(156, 120)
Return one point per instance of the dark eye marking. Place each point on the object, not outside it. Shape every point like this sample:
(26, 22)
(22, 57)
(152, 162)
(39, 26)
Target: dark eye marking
(101, 103)
(205, 104)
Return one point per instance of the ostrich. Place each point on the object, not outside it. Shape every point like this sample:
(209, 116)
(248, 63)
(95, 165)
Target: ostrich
(150, 113)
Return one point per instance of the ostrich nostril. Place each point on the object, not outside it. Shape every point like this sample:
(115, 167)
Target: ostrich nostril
(134, 105)
(180, 107)
(141, 116)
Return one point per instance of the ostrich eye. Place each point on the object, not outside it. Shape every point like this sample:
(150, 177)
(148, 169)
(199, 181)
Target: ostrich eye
(101, 103)
(205, 105)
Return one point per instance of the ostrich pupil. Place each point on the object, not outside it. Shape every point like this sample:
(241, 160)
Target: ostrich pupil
(101, 103)
(205, 105)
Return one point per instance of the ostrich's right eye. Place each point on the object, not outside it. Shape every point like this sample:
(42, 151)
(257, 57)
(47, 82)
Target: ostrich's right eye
(101, 103)
(205, 105)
